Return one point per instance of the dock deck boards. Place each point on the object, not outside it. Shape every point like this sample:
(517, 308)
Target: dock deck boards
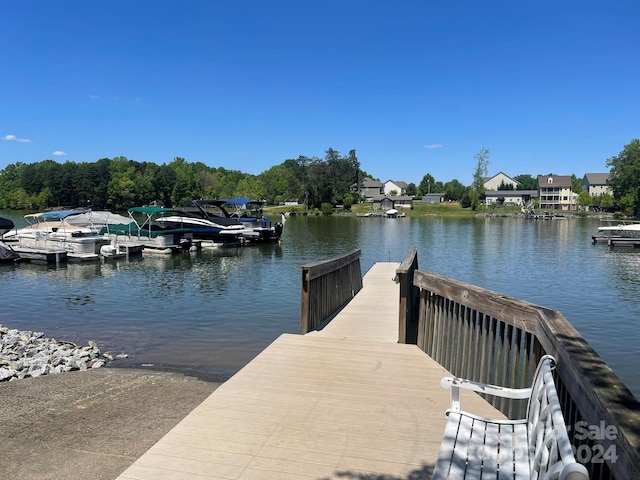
(344, 402)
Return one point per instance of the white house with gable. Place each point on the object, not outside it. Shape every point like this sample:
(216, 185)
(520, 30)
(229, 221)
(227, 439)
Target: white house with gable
(394, 186)
(493, 183)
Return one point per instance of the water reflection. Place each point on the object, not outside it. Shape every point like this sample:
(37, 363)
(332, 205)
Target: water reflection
(216, 309)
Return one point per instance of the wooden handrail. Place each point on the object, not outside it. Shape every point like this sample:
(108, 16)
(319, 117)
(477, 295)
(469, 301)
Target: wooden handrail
(327, 286)
(492, 338)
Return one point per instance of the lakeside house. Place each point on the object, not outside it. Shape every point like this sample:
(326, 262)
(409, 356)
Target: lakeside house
(368, 188)
(556, 193)
(596, 184)
(384, 196)
(494, 183)
(394, 188)
(386, 202)
(510, 197)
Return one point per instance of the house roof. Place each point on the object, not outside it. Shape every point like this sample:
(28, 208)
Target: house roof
(398, 183)
(371, 183)
(558, 181)
(486, 179)
(596, 178)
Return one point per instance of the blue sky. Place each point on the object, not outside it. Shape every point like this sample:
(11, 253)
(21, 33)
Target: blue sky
(414, 87)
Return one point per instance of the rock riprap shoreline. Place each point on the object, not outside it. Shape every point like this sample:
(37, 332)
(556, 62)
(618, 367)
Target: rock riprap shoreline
(31, 354)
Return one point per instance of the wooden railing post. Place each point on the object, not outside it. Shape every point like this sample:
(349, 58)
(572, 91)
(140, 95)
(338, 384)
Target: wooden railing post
(305, 303)
(408, 313)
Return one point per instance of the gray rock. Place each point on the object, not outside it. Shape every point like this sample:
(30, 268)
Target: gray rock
(31, 354)
(6, 373)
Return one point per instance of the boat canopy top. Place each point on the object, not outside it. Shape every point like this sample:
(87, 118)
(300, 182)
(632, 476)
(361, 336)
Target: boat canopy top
(241, 201)
(53, 215)
(96, 218)
(151, 210)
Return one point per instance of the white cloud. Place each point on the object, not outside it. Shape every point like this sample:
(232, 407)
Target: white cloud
(59, 153)
(433, 145)
(13, 138)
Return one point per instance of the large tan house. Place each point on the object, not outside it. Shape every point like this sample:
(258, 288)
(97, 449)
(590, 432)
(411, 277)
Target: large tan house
(556, 193)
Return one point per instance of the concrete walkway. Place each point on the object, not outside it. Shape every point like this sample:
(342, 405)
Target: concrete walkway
(347, 402)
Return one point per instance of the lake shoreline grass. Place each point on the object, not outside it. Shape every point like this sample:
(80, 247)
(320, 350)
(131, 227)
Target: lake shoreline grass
(442, 209)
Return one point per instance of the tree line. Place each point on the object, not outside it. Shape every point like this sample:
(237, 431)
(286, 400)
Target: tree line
(121, 183)
(318, 183)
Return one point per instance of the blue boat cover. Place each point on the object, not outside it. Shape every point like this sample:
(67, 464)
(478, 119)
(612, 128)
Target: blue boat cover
(59, 214)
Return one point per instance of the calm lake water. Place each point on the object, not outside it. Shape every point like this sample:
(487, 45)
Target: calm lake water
(214, 310)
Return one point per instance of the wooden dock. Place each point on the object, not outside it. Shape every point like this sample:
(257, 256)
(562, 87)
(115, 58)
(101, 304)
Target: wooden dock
(40, 255)
(616, 241)
(344, 402)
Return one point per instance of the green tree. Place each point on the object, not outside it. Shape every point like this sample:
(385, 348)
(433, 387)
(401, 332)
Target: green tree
(624, 177)
(576, 184)
(426, 185)
(606, 201)
(411, 190)
(355, 164)
(584, 199)
(505, 186)
(479, 174)
(326, 208)
(276, 182)
(455, 190)
(251, 186)
(120, 183)
(349, 200)
(526, 182)
(163, 182)
(186, 186)
(121, 187)
(10, 183)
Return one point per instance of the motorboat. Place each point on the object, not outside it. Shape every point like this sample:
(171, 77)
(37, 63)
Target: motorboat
(44, 223)
(250, 213)
(145, 227)
(630, 230)
(73, 231)
(5, 225)
(7, 254)
(68, 223)
(393, 213)
(209, 221)
(52, 231)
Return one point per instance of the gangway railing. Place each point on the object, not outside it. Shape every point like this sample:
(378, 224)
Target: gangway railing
(327, 286)
(492, 338)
